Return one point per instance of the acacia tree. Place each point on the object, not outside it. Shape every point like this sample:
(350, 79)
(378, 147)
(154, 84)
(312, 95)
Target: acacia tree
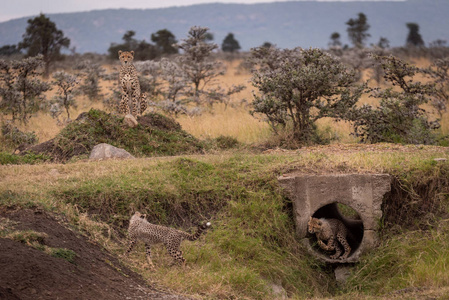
(358, 30)
(20, 87)
(66, 84)
(42, 37)
(195, 61)
(300, 86)
(199, 68)
(91, 73)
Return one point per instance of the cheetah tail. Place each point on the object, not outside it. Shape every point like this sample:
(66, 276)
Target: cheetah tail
(200, 230)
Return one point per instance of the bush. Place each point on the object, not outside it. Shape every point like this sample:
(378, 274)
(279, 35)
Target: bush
(399, 118)
(299, 87)
(16, 137)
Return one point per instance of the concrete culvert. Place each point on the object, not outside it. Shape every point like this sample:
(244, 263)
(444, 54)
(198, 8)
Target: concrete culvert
(354, 199)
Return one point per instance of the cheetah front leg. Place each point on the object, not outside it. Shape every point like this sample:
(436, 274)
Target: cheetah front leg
(124, 106)
(148, 253)
(132, 243)
(135, 103)
(330, 244)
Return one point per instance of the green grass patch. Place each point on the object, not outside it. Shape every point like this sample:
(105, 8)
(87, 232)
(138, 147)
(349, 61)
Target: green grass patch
(29, 158)
(67, 254)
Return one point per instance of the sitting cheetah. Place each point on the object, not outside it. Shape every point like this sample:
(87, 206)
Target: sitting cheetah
(332, 231)
(130, 86)
(141, 229)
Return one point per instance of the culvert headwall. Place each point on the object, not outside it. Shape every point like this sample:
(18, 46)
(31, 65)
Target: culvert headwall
(321, 195)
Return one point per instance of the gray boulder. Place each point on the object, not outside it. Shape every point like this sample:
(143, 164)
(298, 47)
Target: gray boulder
(106, 151)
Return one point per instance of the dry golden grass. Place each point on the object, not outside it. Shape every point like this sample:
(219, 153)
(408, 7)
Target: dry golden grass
(233, 120)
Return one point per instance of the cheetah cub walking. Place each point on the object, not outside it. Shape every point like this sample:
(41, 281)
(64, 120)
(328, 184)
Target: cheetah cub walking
(140, 229)
(130, 86)
(332, 231)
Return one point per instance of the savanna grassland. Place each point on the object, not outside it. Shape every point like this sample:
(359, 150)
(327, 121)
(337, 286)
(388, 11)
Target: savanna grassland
(251, 251)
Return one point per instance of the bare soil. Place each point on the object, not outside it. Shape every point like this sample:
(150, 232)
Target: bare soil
(28, 273)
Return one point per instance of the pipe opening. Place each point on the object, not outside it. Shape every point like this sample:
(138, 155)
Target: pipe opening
(350, 218)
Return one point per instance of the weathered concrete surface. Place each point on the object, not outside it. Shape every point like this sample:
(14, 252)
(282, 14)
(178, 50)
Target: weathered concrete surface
(320, 193)
(106, 151)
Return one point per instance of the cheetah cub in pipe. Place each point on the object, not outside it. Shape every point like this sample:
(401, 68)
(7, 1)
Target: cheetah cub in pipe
(332, 231)
(151, 234)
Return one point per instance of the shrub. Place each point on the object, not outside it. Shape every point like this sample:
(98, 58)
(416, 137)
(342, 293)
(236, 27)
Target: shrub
(399, 118)
(300, 86)
(16, 137)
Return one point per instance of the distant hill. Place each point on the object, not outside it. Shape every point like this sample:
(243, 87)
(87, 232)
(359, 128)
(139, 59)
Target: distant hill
(286, 24)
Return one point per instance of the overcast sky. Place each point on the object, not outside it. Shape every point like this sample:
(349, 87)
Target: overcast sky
(12, 9)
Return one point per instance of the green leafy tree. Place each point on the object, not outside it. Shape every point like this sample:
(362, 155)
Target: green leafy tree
(358, 30)
(42, 37)
(9, 50)
(164, 41)
(230, 44)
(142, 49)
(414, 37)
(299, 87)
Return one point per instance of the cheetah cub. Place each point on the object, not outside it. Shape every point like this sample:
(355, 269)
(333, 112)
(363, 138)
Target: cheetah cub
(151, 234)
(332, 231)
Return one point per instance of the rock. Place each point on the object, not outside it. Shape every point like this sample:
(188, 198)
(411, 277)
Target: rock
(106, 151)
(54, 172)
(342, 273)
(278, 291)
(130, 121)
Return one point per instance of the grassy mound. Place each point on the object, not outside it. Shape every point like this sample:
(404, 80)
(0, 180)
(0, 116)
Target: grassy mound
(156, 135)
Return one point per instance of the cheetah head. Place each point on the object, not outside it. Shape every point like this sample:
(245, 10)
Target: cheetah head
(138, 215)
(126, 57)
(314, 225)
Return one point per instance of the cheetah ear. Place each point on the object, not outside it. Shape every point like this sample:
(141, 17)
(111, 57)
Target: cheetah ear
(120, 52)
(132, 52)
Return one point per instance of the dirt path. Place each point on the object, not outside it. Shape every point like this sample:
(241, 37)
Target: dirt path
(27, 273)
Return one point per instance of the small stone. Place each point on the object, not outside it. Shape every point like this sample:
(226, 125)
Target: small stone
(130, 121)
(342, 273)
(54, 172)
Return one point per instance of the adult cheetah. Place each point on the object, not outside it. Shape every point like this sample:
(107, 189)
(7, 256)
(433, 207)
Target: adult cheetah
(130, 86)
